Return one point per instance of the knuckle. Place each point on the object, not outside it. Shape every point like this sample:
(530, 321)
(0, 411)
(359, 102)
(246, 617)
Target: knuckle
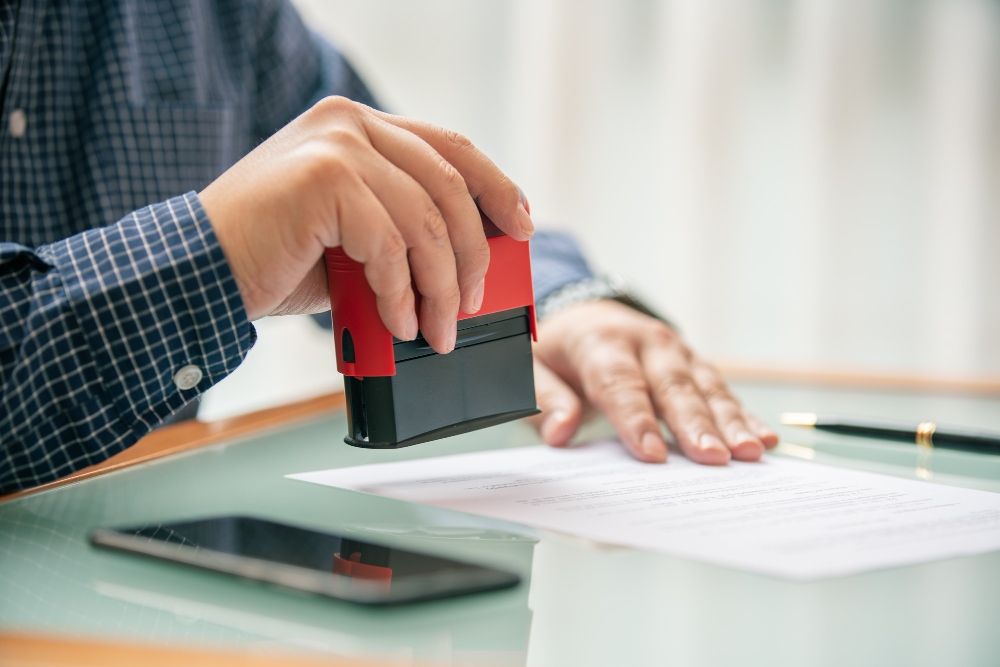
(636, 417)
(343, 137)
(446, 295)
(322, 165)
(474, 259)
(716, 390)
(390, 291)
(335, 104)
(392, 249)
(400, 297)
(450, 177)
(457, 140)
(332, 149)
(674, 382)
(479, 258)
(434, 225)
(617, 380)
(662, 334)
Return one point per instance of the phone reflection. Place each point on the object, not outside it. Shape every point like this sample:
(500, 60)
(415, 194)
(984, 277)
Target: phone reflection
(364, 562)
(489, 628)
(307, 560)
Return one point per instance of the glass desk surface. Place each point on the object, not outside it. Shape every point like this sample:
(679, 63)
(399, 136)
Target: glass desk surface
(581, 603)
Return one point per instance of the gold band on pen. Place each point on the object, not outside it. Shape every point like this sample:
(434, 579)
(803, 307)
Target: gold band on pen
(925, 434)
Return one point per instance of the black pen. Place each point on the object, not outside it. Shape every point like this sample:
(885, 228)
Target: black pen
(926, 434)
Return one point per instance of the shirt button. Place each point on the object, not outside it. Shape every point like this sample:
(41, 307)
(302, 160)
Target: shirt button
(188, 377)
(18, 123)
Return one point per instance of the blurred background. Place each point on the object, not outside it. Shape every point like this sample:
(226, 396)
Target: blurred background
(798, 184)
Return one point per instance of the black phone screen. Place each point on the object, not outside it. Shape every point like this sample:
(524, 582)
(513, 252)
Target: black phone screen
(304, 559)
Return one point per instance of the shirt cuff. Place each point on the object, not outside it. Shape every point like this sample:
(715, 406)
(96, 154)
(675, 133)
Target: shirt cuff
(158, 305)
(556, 261)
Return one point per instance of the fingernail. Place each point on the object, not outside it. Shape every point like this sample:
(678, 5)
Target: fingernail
(747, 447)
(524, 220)
(524, 198)
(477, 298)
(769, 438)
(412, 327)
(653, 446)
(452, 336)
(709, 441)
(552, 424)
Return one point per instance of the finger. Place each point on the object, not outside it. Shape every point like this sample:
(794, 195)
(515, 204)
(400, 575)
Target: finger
(679, 401)
(613, 382)
(367, 234)
(561, 407)
(495, 193)
(447, 189)
(768, 437)
(742, 442)
(425, 233)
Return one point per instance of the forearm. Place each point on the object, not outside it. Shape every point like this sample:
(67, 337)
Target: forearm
(94, 329)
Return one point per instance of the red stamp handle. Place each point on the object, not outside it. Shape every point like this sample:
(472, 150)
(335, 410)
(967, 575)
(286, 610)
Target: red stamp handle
(364, 345)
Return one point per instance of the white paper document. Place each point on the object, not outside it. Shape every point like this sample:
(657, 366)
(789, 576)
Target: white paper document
(779, 517)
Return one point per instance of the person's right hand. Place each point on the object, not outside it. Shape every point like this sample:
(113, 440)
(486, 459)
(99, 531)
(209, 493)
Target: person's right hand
(398, 195)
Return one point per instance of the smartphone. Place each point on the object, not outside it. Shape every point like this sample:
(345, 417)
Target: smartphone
(306, 560)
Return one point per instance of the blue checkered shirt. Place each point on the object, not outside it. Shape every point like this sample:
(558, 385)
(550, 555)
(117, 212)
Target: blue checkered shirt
(112, 110)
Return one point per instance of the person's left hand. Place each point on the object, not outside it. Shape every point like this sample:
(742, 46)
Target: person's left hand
(635, 368)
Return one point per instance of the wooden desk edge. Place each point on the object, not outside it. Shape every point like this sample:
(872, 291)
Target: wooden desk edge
(23, 649)
(193, 434)
(858, 379)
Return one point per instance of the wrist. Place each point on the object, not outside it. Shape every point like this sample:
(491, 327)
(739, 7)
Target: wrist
(228, 236)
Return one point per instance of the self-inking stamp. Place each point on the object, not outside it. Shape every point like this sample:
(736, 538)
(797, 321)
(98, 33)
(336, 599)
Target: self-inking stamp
(401, 393)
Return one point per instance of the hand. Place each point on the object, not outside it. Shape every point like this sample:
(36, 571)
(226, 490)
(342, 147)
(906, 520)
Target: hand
(398, 195)
(634, 368)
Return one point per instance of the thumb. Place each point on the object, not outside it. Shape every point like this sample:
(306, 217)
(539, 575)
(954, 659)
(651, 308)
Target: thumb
(561, 407)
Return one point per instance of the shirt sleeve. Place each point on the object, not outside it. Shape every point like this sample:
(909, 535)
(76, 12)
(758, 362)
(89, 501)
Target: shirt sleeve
(338, 77)
(295, 68)
(95, 328)
(556, 262)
